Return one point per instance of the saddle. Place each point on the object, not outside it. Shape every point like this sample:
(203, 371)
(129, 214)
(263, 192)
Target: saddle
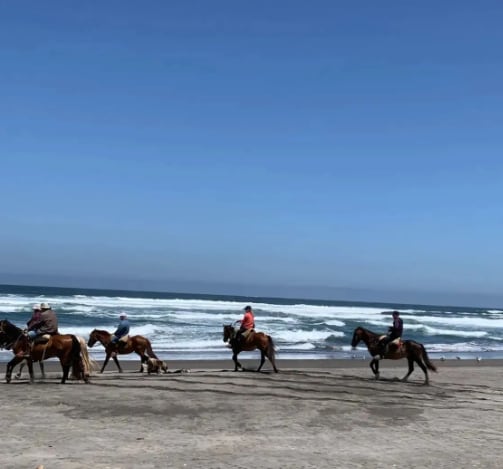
(394, 346)
(42, 339)
(244, 337)
(247, 333)
(122, 342)
(397, 342)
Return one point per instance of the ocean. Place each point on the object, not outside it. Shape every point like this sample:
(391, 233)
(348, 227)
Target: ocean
(189, 327)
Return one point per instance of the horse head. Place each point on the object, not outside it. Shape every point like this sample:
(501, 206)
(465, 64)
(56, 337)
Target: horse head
(228, 332)
(358, 335)
(9, 331)
(93, 338)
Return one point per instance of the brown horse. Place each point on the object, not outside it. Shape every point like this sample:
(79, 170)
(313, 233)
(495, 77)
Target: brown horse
(136, 343)
(413, 351)
(65, 347)
(89, 363)
(254, 341)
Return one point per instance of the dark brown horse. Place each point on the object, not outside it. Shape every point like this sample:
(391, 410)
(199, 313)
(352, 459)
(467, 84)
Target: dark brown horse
(413, 351)
(137, 343)
(66, 347)
(254, 341)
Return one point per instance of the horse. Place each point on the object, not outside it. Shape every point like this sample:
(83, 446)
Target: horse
(136, 343)
(413, 351)
(66, 347)
(255, 340)
(89, 363)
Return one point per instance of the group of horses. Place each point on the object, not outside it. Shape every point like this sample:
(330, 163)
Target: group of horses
(72, 351)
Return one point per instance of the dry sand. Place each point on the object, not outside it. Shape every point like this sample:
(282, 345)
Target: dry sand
(313, 414)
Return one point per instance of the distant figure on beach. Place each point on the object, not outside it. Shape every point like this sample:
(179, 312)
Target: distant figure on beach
(394, 332)
(247, 325)
(120, 336)
(35, 317)
(48, 323)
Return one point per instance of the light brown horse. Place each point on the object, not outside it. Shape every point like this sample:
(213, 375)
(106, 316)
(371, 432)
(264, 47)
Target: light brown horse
(254, 341)
(136, 343)
(66, 347)
(413, 351)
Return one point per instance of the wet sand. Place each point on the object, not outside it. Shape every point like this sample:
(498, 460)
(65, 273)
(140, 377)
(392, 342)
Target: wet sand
(313, 414)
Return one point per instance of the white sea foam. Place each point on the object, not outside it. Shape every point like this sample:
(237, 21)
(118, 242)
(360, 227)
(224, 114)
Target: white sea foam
(305, 336)
(190, 327)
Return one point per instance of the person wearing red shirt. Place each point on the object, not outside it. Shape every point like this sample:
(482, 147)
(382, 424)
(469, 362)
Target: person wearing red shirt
(247, 324)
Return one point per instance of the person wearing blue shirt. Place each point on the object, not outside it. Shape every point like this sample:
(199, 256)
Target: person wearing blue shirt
(120, 335)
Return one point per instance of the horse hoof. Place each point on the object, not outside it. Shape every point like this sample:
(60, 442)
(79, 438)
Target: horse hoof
(377, 376)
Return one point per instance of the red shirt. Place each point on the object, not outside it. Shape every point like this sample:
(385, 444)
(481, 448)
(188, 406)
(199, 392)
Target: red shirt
(248, 321)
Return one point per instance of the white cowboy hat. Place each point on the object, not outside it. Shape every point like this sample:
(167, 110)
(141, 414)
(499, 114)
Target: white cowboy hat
(123, 315)
(45, 306)
(36, 307)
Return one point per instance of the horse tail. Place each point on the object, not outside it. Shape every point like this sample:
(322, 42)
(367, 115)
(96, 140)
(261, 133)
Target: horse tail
(75, 358)
(89, 363)
(426, 359)
(271, 349)
(150, 352)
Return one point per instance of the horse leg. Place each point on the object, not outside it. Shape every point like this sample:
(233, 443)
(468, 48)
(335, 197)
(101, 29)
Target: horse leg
(236, 363)
(374, 366)
(270, 354)
(30, 371)
(425, 370)
(411, 368)
(116, 360)
(18, 374)
(262, 360)
(66, 371)
(10, 367)
(42, 369)
(105, 362)
(143, 359)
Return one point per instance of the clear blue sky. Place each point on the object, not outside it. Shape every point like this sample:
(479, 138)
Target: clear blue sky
(258, 147)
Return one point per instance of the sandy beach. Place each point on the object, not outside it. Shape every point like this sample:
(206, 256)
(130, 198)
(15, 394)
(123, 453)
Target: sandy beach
(313, 414)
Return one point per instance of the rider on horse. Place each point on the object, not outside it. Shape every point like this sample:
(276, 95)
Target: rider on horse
(47, 324)
(120, 336)
(394, 332)
(247, 325)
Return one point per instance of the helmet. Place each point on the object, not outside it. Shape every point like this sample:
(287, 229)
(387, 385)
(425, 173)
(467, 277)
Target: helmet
(123, 315)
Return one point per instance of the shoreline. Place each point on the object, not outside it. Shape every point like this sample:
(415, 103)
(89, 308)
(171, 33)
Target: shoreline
(133, 364)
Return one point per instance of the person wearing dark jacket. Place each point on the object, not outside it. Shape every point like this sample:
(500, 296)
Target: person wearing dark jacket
(394, 332)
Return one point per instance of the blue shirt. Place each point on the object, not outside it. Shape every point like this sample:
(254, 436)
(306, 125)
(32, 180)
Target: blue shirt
(122, 328)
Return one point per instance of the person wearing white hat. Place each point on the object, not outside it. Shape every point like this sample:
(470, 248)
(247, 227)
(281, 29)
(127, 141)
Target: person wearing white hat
(48, 323)
(120, 336)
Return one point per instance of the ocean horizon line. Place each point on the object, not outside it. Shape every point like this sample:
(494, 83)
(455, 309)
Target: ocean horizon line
(31, 289)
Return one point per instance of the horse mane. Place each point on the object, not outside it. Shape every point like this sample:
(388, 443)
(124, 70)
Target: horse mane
(8, 333)
(10, 329)
(368, 331)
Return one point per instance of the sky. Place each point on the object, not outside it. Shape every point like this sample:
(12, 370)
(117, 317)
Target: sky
(338, 150)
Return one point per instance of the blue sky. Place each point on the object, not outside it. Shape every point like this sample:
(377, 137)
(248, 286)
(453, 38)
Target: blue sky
(298, 148)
